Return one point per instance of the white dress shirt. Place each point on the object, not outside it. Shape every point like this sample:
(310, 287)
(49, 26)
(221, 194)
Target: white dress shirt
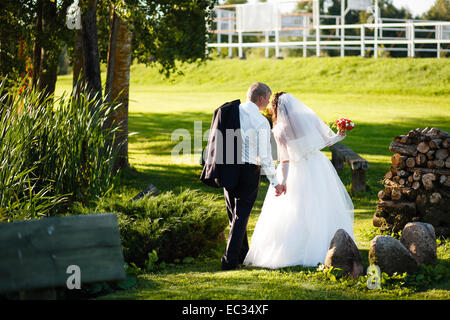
(256, 148)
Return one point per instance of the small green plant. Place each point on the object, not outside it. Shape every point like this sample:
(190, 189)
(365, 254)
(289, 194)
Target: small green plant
(132, 269)
(399, 284)
(150, 263)
(176, 226)
(371, 233)
(188, 260)
(427, 276)
(397, 235)
(332, 273)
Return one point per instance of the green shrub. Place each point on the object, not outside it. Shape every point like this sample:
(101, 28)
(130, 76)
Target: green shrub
(174, 225)
(52, 152)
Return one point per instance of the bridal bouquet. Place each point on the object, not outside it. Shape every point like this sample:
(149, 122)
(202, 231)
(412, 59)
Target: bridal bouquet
(266, 113)
(344, 124)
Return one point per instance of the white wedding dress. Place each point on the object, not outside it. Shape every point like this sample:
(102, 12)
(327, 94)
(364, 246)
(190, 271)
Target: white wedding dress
(296, 228)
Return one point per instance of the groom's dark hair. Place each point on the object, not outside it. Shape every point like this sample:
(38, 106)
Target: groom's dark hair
(256, 90)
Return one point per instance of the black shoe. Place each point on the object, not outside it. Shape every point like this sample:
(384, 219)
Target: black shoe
(227, 266)
(238, 267)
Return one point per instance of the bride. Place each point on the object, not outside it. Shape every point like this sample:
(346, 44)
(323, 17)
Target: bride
(296, 228)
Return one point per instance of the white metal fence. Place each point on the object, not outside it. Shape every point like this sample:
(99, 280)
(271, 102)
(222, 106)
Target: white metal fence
(304, 31)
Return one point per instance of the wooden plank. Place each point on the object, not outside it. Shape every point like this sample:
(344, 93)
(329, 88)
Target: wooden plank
(359, 180)
(337, 160)
(429, 170)
(404, 149)
(354, 160)
(36, 253)
(358, 165)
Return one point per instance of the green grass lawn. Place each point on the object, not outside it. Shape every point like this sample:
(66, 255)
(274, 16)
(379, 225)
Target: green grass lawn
(384, 97)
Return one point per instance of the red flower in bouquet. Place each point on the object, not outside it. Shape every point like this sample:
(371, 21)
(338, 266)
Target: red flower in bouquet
(344, 124)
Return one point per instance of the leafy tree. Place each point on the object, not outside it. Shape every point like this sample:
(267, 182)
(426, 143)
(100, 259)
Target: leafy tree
(308, 6)
(439, 11)
(164, 31)
(117, 32)
(15, 36)
(32, 29)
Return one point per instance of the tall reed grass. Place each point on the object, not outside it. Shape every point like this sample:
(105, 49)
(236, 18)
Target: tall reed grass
(53, 152)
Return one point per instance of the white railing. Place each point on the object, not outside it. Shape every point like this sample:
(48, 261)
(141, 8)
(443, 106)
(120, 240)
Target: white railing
(313, 36)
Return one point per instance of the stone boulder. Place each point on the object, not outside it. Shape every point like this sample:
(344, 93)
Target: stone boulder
(420, 239)
(391, 256)
(343, 253)
(150, 190)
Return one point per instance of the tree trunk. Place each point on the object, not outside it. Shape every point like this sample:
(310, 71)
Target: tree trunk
(118, 82)
(78, 59)
(90, 49)
(50, 51)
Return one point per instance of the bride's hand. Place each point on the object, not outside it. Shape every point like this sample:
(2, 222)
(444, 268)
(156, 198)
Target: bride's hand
(280, 189)
(342, 133)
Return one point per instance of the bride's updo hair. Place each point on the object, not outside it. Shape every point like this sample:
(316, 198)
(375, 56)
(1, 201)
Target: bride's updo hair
(274, 106)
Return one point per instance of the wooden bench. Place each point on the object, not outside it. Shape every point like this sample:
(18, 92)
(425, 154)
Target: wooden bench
(341, 154)
(35, 255)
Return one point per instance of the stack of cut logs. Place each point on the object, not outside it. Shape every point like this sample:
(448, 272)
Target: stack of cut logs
(417, 186)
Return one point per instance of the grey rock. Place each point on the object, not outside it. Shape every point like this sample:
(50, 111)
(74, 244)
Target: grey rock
(420, 239)
(343, 253)
(149, 191)
(391, 256)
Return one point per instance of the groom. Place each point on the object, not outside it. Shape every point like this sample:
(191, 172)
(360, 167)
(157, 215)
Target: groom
(250, 152)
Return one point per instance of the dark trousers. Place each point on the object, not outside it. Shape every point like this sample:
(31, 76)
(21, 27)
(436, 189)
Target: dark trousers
(239, 203)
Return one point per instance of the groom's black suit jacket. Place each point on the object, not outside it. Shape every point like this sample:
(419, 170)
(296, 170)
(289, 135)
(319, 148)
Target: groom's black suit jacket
(223, 174)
